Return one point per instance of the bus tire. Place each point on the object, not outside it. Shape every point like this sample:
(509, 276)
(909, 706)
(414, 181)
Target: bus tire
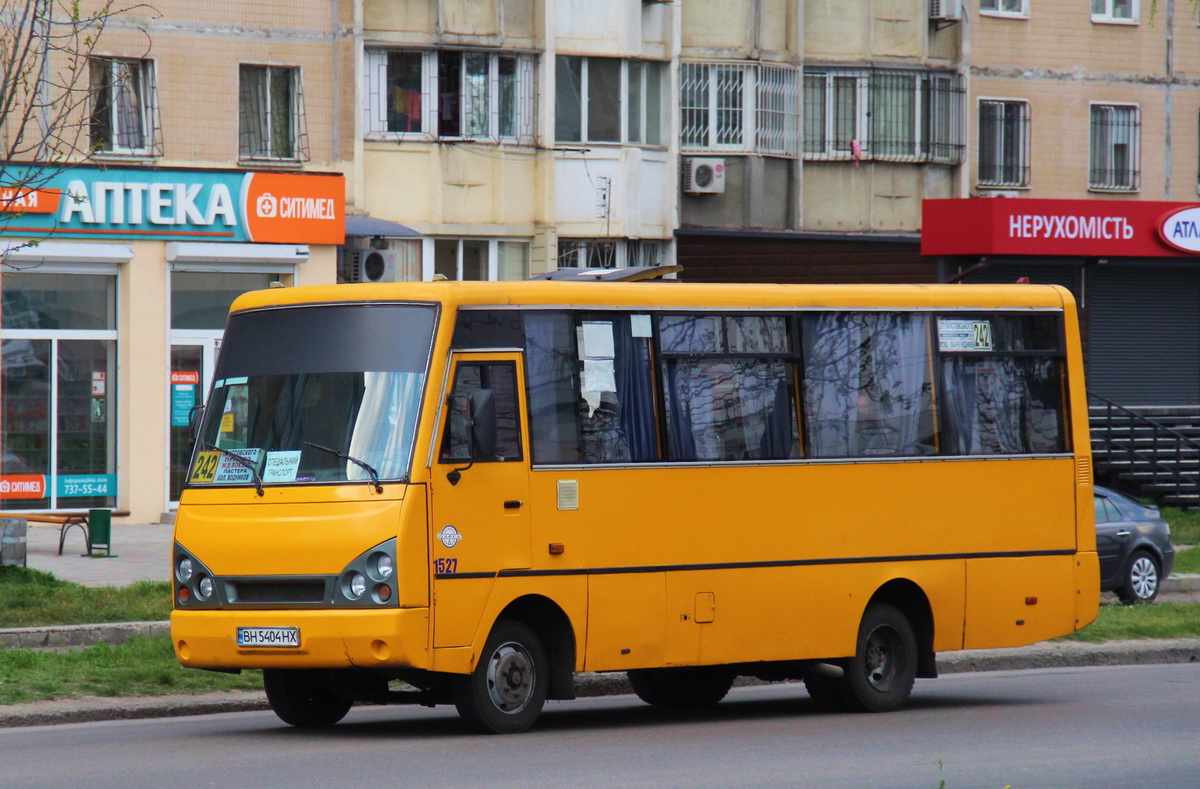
(681, 687)
(308, 699)
(880, 676)
(824, 693)
(506, 691)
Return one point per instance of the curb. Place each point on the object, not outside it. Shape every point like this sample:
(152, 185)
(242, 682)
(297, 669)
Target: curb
(1043, 655)
(64, 636)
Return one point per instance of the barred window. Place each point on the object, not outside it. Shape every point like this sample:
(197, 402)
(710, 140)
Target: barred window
(609, 252)
(1115, 133)
(1115, 10)
(1003, 143)
(608, 100)
(740, 108)
(449, 94)
(884, 115)
(271, 116)
(124, 116)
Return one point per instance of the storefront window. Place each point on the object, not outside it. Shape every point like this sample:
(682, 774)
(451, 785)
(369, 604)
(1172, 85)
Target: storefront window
(201, 300)
(58, 417)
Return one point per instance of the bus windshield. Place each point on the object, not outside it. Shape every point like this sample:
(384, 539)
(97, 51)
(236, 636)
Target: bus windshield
(316, 394)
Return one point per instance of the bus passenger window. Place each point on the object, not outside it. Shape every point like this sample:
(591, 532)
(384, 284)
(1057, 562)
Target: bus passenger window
(868, 389)
(500, 377)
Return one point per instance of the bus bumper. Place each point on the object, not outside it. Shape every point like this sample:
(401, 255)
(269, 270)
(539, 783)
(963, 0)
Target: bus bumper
(328, 639)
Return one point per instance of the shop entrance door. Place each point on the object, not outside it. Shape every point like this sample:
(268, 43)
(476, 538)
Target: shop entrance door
(193, 355)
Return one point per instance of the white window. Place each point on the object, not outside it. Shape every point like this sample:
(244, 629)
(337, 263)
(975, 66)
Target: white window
(478, 258)
(1115, 152)
(608, 100)
(1003, 142)
(450, 94)
(123, 110)
(270, 114)
(883, 114)
(609, 252)
(1121, 11)
(739, 108)
(1005, 7)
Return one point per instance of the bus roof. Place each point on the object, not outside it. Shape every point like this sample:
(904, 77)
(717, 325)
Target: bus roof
(668, 294)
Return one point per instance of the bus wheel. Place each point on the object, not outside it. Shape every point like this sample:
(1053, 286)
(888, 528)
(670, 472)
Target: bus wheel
(681, 687)
(305, 698)
(880, 676)
(506, 691)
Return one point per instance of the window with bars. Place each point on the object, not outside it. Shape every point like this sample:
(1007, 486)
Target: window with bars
(608, 100)
(1115, 137)
(883, 115)
(1003, 143)
(450, 94)
(609, 252)
(123, 117)
(271, 114)
(1114, 10)
(739, 108)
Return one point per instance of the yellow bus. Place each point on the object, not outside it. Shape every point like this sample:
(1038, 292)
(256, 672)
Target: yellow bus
(466, 492)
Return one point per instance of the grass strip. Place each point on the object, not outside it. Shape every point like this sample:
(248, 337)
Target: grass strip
(1188, 560)
(1185, 525)
(139, 667)
(32, 598)
(1126, 622)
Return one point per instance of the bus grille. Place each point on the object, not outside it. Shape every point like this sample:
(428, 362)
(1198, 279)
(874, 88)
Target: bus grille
(275, 591)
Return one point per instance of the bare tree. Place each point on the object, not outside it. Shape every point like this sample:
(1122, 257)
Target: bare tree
(50, 94)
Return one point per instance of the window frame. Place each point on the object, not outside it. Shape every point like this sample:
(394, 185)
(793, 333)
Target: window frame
(1002, 145)
(998, 11)
(263, 149)
(649, 115)
(1106, 155)
(766, 113)
(1104, 12)
(146, 92)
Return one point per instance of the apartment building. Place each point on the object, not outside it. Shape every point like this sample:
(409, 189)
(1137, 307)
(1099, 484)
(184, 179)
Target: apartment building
(1085, 120)
(218, 134)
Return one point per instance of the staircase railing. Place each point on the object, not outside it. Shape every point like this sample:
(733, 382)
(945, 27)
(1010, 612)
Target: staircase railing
(1166, 446)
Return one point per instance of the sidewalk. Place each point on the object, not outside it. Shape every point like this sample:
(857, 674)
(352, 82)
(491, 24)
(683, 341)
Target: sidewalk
(140, 553)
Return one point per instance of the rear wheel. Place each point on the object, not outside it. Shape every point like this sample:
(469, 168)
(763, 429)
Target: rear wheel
(880, 676)
(306, 698)
(702, 686)
(506, 691)
(1141, 579)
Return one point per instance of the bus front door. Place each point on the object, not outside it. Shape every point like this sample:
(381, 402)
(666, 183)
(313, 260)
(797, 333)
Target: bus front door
(480, 504)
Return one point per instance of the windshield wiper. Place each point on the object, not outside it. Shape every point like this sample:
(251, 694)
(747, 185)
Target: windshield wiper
(360, 463)
(241, 461)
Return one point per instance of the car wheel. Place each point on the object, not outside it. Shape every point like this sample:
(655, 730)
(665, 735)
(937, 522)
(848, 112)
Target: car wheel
(1141, 579)
(305, 698)
(681, 687)
(506, 691)
(880, 676)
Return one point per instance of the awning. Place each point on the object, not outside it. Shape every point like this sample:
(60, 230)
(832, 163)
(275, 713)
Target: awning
(370, 226)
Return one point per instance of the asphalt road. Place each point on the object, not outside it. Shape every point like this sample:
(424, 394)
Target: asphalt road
(1086, 727)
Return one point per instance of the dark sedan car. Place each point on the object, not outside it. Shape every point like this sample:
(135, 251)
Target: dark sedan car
(1134, 544)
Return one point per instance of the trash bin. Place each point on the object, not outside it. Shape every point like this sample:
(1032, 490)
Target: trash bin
(100, 530)
(12, 541)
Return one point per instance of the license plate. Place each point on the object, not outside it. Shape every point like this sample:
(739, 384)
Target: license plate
(268, 636)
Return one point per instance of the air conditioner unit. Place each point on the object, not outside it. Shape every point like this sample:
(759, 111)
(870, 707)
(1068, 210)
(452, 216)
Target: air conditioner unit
(703, 176)
(373, 265)
(945, 9)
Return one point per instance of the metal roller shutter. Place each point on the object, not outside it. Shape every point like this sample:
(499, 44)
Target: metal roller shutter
(1144, 334)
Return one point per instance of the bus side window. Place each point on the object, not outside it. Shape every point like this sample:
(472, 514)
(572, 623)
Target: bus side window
(500, 377)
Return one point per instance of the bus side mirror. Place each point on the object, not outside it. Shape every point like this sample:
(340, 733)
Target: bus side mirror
(195, 417)
(482, 408)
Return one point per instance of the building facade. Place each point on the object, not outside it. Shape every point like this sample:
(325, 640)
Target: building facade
(210, 162)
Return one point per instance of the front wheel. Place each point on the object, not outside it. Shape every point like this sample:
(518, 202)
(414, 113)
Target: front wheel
(880, 676)
(305, 698)
(1141, 579)
(506, 691)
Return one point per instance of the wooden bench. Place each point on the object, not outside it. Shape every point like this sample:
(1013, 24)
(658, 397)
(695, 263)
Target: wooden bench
(65, 521)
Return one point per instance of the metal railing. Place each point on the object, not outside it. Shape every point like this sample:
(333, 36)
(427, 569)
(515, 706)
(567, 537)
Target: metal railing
(1166, 446)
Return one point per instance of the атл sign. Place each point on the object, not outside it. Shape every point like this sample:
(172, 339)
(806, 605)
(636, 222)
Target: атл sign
(175, 205)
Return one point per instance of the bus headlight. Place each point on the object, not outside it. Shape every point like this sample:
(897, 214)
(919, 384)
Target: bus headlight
(354, 585)
(204, 587)
(369, 580)
(382, 565)
(184, 569)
